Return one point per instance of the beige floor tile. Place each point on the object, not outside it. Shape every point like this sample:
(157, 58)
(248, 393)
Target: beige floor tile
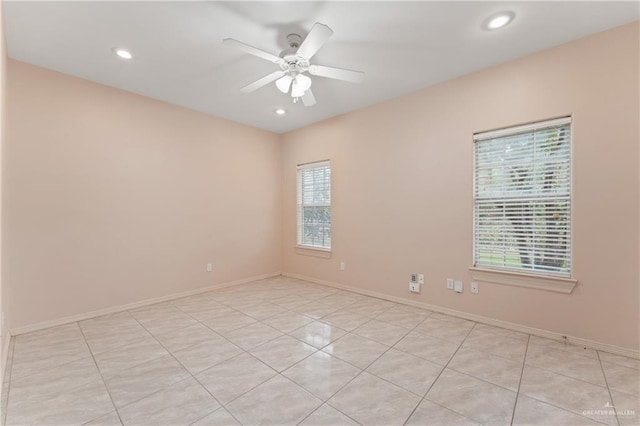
(288, 321)
(367, 309)
(159, 311)
(253, 335)
(562, 346)
(532, 412)
(620, 360)
(407, 371)
(205, 355)
(345, 320)
(373, 401)
(232, 378)
(401, 318)
(453, 331)
(564, 392)
(485, 366)
(381, 332)
(189, 336)
(627, 408)
(111, 419)
(142, 380)
(566, 363)
(48, 383)
(107, 340)
(502, 346)
(220, 417)
(488, 330)
(179, 404)
(144, 350)
(291, 302)
(167, 325)
(262, 311)
(315, 310)
(460, 393)
(228, 322)
(282, 352)
(40, 351)
(321, 374)
(328, 416)
(356, 350)
(318, 334)
(74, 406)
(196, 303)
(277, 401)
(214, 313)
(622, 379)
(427, 347)
(432, 414)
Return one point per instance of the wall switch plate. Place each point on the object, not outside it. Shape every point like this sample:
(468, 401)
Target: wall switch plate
(449, 283)
(474, 288)
(414, 287)
(342, 266)
(458, 286)
(420, 278)
(414, 278)
(209, 267)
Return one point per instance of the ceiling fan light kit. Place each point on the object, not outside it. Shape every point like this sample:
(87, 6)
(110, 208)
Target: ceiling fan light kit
(294, 64)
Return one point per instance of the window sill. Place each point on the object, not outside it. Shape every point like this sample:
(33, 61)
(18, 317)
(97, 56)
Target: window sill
(314, 251)
(558, 285)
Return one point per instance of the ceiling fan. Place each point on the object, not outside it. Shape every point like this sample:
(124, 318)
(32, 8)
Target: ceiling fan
(294, 63)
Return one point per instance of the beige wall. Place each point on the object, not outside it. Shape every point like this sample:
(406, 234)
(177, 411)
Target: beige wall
(4, 334)
(113, 198)
(402, 187)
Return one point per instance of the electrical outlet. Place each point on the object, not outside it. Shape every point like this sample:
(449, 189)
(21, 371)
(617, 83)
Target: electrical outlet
(449, 283)
(414, 287)
(414, 278)
(458, 286)
(474, 288)
(209, 267)
(343, 266)
(420, 278)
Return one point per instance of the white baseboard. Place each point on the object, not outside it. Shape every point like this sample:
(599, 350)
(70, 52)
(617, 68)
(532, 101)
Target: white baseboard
(591, 344)
(112, 310)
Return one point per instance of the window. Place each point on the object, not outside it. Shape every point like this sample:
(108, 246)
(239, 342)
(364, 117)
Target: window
(314, 205)
(522, 191)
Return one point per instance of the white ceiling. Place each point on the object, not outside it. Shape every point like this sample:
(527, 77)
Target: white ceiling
(179, 58)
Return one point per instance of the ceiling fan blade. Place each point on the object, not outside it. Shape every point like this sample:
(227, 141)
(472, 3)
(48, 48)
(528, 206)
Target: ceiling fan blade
(252, 50)
(318, 35)
(308, 99)
(262, 82)
(337, 73)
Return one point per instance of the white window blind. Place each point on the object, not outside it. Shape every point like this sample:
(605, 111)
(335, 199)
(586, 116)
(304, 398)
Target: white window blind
(314, 205)
(522, 191)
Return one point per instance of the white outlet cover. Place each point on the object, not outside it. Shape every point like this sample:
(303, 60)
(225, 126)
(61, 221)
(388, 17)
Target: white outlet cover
(458, 286)
(342, 266)
(209, 267)
(449, 283)
(474, 288)
(420, 278)
(414, 287)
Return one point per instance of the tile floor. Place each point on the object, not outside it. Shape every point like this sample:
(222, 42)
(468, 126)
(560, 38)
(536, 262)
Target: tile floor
(283, 351)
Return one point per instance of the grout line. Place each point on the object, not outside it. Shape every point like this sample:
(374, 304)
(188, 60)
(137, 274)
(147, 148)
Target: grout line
(606, 382)
(524, 362)
(440, 374)
(104, 383)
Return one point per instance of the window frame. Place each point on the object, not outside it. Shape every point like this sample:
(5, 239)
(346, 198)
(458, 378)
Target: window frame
(302, 248)
(546, 280)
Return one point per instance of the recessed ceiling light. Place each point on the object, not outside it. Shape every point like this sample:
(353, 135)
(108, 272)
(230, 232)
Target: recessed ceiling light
(499, 20)
(280, 111)
(122, 53)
